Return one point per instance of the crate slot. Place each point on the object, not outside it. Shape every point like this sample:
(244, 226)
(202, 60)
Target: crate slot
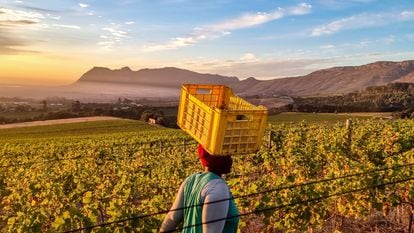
(204, 91)
(242, 118)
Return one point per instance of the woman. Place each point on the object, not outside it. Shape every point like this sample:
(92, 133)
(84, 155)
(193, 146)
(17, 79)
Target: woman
(192, 203)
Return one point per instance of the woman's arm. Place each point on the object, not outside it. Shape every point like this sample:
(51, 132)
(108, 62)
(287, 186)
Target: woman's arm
(214, 211)
(174, 216)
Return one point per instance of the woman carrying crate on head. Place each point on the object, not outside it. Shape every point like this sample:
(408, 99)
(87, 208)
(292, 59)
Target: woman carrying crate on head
(204, 202)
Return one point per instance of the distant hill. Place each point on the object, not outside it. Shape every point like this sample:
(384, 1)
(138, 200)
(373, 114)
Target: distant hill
(337, 80)
(166, 77)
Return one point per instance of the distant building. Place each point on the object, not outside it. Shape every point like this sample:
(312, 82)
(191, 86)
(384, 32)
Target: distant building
(137, 105)
(152, 121)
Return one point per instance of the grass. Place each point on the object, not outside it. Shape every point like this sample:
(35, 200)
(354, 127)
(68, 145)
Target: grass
(332, 118)
(77, 129)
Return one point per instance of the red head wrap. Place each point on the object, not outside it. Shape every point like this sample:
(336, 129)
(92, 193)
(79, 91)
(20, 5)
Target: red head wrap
(217, 164)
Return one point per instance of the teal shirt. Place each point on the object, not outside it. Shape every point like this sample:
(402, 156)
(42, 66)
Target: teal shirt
(192, 196)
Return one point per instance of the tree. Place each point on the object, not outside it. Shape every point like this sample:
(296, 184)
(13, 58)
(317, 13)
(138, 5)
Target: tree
(76, 106)
(44, 102)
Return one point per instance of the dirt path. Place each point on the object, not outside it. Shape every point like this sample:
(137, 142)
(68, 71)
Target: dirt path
(55, 122)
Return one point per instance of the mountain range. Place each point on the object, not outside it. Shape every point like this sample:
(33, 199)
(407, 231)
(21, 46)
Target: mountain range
(101, 84)
(331, 81)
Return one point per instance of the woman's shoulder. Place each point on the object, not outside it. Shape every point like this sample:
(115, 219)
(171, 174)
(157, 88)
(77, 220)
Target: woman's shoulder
(216, 187)
(217, 183)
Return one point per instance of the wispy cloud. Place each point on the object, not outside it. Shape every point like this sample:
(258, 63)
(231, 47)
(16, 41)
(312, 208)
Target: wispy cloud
(16, 22)
(112, 35)
(328, 46)
(66, 26)
(16, 15)
(362, 21)
(407, 14)
(83, 5)
(43, 10)
(15, 18)
(58, 17)
(7, 44)
(224, 28)
(12, 42)
(249, 57)
(115, 32)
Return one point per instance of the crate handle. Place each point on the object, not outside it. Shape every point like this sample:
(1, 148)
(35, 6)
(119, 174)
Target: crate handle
(242, 118)
(204, 91)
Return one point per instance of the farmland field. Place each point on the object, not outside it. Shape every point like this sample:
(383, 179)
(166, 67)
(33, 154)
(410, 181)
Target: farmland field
(91, 128)
(121, 175)
(295, 117)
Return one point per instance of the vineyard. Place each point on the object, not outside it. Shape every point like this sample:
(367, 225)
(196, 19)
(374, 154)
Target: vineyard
(122, 176)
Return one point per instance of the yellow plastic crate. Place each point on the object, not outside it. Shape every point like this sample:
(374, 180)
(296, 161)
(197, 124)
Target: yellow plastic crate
(222, 122)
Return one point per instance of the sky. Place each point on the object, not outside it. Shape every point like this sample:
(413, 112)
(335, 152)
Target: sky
(53, 42)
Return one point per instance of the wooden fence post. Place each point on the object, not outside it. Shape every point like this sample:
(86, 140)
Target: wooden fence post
(160, 147)
(270, 139)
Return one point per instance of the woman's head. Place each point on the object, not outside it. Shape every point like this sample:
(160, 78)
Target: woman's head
(217, 164)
